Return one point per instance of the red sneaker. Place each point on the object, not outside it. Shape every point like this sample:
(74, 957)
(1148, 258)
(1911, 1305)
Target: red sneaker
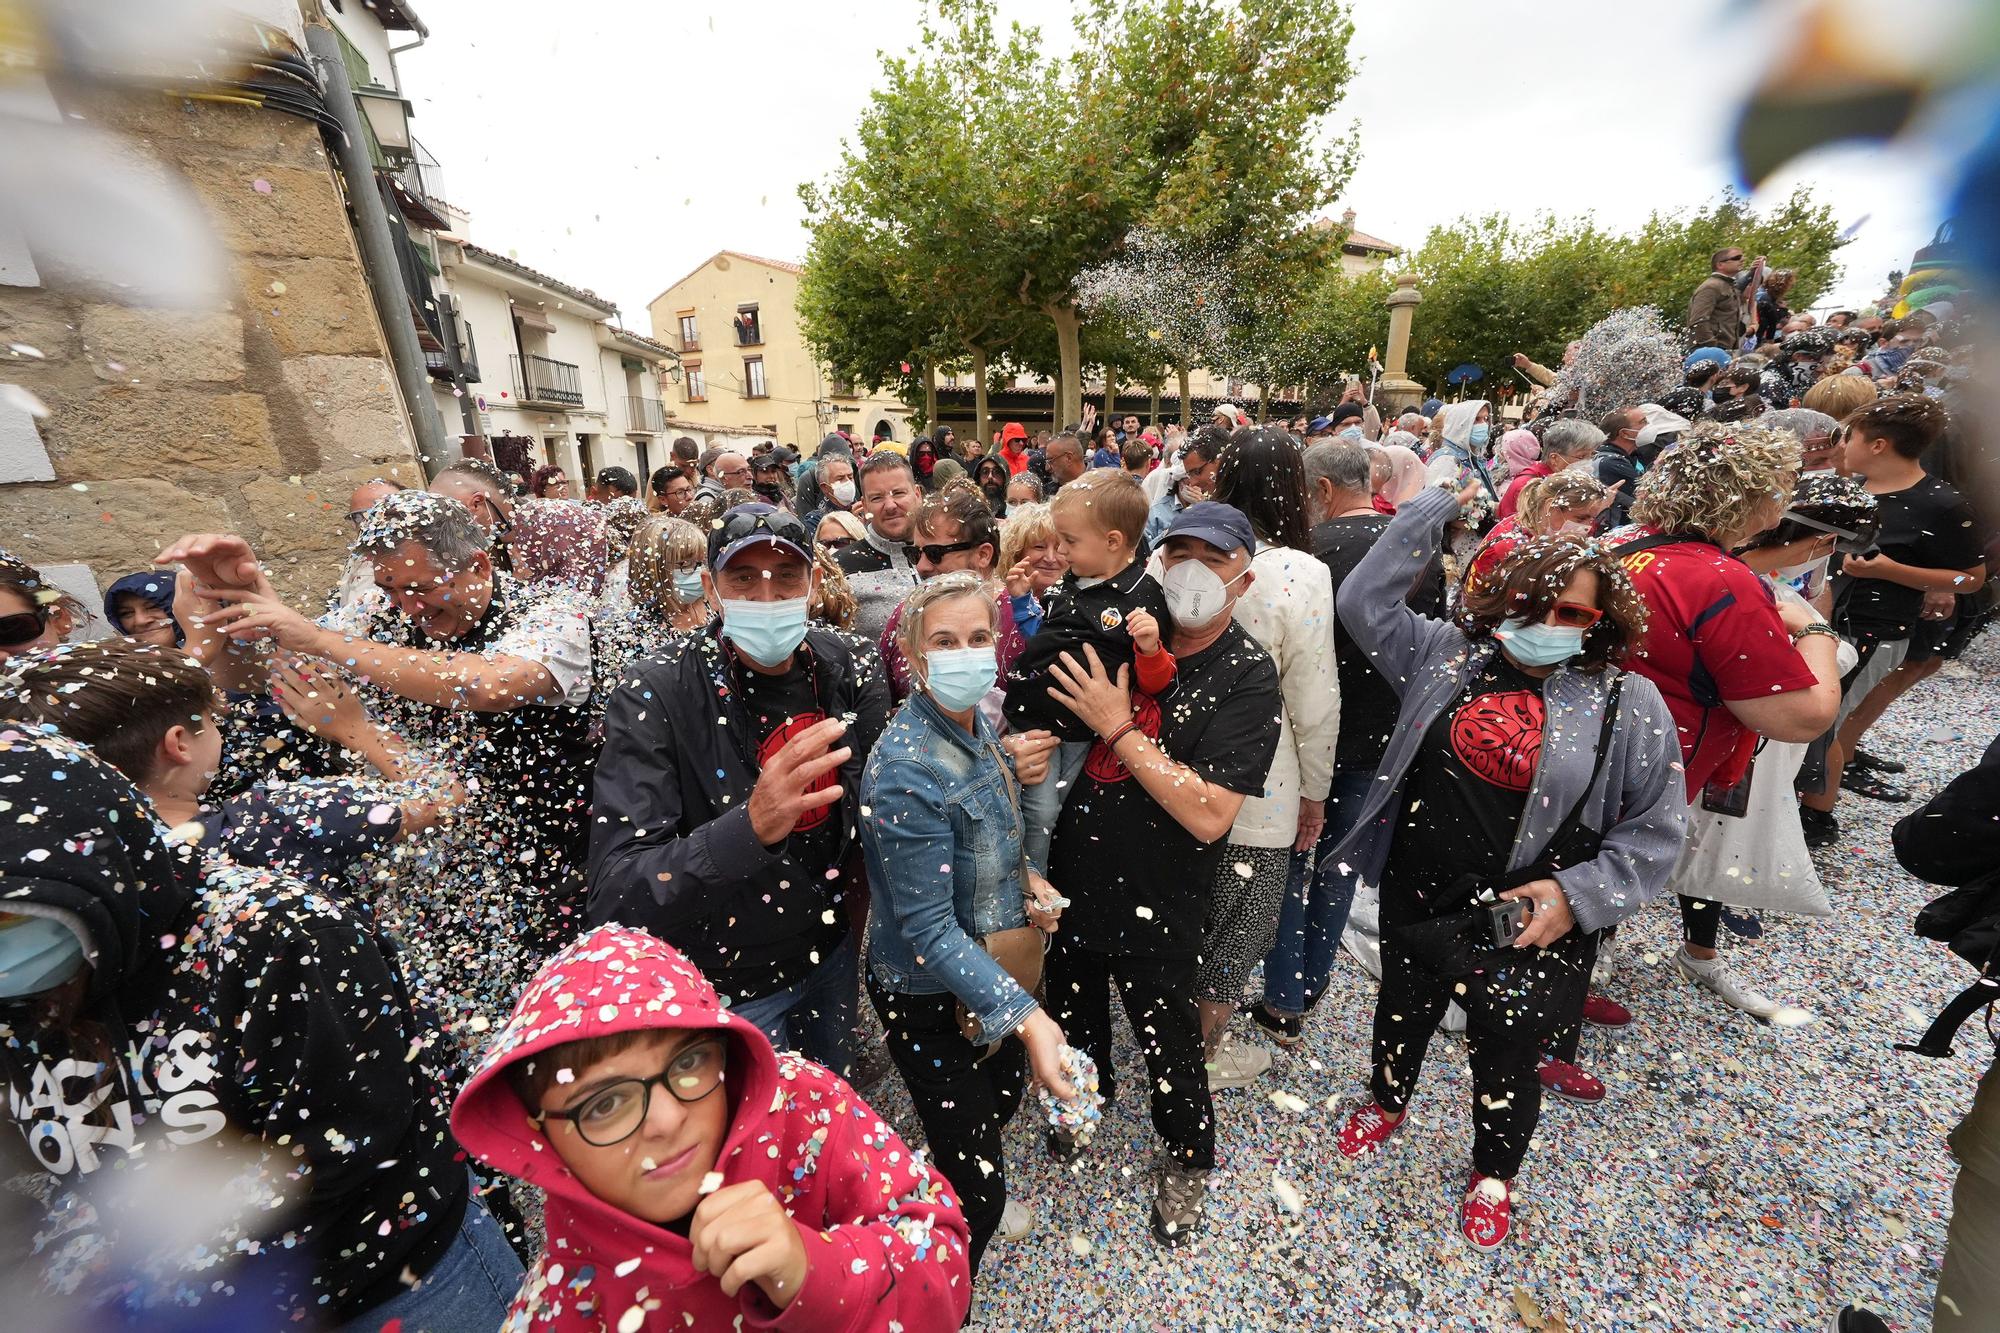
(1487, 1214)
(1562, 1079)
(1368, 1129)
(1601, 1011)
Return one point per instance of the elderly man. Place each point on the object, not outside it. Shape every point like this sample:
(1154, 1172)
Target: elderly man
(483, 490)
(882, 568)
(1142, 836)
(491, 676)
(1065, 458)
(1715, 311)
(357, 580)
(1564, 444)
(723, 469)
(724, 817)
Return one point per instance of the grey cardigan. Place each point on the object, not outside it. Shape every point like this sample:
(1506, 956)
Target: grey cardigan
(1638, 798)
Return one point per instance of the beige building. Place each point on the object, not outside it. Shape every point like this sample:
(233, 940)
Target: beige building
(745, 365)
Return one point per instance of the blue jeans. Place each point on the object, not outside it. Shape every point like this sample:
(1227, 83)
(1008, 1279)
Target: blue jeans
(470, 1286)
(1316, 903)
(1041, 804)
(816, 1014)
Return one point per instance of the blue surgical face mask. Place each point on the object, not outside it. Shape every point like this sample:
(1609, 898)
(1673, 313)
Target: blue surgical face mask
(1539, 645)
(1481, 433)
(958, 678)
(35, 954)
(687, 585)
(768, 633)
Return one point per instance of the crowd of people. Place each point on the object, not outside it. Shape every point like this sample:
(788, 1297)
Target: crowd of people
(494, 937)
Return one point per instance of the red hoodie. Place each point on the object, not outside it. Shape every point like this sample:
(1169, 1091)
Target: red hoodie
(885, 1241)
(1014, 447)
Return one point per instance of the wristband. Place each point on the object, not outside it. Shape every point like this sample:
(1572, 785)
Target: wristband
(1816, 628)
(1111, 741)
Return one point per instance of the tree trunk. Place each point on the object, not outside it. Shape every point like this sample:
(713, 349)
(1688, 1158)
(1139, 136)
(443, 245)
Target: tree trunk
(979, 422)
(1182, 370)
(1110, 408)
(1055, 403)
(1263, 404)
(930, 396)
(1070, 352)
(1153, 412)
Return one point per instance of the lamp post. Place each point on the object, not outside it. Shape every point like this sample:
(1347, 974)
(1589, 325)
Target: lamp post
(1399, 391)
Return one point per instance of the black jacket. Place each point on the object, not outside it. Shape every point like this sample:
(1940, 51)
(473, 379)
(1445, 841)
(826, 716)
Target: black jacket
(1614, 465)
(671, 848)
(1071, 617)
(260, 1026)
(1954, 838)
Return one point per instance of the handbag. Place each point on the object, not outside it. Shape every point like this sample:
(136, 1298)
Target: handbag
(1018, 949)
(1525, 991)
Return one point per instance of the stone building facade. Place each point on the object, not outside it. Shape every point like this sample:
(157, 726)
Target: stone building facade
(257, 415)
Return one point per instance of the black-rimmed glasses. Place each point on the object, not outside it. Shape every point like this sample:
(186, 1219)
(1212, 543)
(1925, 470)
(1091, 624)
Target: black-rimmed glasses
(936, 553)
(615, 1111)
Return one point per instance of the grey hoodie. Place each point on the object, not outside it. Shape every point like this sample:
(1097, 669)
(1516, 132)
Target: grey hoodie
(1637, 798)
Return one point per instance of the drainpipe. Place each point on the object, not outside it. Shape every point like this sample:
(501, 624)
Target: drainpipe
(378, 253)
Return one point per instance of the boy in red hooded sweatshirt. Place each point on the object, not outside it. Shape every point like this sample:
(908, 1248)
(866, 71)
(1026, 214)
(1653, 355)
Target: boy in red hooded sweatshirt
(1014, 447)
(695, 1178)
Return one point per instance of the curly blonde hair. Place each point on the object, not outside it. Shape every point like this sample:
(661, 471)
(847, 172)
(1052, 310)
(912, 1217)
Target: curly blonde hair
(1572, 488)
(1025, 525)
(1715, 478)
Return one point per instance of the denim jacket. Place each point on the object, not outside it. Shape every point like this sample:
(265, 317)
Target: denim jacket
(942, 832)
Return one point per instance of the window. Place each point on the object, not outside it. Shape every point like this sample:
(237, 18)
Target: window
(842, 387)
(690, 334)
(753, 378)
(749, 332)
(693, 386)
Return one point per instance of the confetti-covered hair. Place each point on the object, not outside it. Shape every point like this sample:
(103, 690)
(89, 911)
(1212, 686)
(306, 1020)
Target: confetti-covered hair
(1530, 580)
(662, 545)
(441, 525)
(1570, 489)
(116, 696)
(1713, 480)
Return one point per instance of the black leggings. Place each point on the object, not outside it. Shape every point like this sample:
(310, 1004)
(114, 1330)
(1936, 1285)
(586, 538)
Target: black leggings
(962, 1101)
(1506, 1089)
(1159, 1000)
(1699, 920)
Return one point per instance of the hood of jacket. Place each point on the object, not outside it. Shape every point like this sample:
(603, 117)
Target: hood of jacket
(154, 585)
(80, 844)
(1458, 420)
(882, 1237)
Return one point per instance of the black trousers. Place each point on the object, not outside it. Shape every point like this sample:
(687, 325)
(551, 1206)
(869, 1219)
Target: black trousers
(1158, 994)
(1506, 1091)
(962, 1101)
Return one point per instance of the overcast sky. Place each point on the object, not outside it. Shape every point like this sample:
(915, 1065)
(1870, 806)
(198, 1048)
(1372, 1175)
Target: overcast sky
(618, 144)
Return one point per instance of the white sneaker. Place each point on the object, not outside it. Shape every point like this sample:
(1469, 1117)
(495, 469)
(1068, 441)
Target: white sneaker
(1712, 976)
(1016, 1223)
(1237, 1063)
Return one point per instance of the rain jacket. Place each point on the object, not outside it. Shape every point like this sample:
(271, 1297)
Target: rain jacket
(155, 586)
(272, 1092)
(885, 1240)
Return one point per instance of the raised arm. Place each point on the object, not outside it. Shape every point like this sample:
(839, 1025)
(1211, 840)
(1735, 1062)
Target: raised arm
(1398, 641)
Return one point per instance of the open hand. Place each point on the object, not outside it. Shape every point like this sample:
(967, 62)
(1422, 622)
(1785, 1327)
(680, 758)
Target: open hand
(314, 696)
(1018, 578)
(785, 790)
(259, 615)
(1101, 703)
(218, 560)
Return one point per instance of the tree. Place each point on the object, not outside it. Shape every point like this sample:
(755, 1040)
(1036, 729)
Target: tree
(1005, 173)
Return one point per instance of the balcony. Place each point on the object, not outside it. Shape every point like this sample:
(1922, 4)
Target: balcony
(539, 381)
(644, 416)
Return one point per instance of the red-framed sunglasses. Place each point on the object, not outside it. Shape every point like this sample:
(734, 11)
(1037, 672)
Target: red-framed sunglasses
(1575, 615)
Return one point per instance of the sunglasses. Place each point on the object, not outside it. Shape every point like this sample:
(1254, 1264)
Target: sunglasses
(1575, 615)
(837, 543)
(22, 627)
(936, 554)
(777, 523)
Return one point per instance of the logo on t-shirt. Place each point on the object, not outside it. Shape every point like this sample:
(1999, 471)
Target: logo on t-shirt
(782, 733)
(1498, 737)
(1110, 618)
(1101, 765)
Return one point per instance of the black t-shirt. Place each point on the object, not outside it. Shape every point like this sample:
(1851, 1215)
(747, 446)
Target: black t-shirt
(1461, 803)
(1138, 881)
(314, 831)
(1926, 525)
(779, 708)
(1073, 615)
(1368, 706)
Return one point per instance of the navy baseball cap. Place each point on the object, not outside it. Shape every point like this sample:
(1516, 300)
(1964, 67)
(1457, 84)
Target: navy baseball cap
(1701, 354)
(1221, 526)
(1318, 424)
(747, 525)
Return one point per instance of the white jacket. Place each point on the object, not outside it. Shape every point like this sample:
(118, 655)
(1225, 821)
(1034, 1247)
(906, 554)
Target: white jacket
(1289, 609)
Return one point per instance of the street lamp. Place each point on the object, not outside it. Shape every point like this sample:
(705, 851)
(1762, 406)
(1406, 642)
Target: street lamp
(389, 116)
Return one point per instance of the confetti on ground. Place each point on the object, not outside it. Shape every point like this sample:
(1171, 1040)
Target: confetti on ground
(1640, 1214)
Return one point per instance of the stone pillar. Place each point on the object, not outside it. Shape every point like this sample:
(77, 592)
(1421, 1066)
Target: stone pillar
(1396, 389)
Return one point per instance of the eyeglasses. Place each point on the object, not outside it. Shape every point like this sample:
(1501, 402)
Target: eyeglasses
(936, 554)
(1732, 259)
(836, 543)
(615, 1111)
(1575, 615)
(22, 627)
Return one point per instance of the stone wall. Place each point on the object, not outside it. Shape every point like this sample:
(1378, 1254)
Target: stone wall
(258, 416)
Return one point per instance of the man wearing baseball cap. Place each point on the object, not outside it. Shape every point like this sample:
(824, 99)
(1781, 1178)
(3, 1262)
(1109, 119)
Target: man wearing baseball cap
(724, 816)
(1144, 832)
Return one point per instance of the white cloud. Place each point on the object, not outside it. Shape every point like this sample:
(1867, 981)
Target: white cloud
(617, 145)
